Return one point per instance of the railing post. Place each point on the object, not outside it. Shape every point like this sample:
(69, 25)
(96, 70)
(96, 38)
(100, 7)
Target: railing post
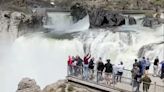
(155, 84)
(132, 84)
(67, 70)
(97, 77)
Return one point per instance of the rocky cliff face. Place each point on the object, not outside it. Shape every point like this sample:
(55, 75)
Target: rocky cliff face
(10, 22)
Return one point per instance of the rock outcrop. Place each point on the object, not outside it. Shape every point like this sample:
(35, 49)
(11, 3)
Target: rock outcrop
(98, 17)
(15, 24)
(78, 12)
(28, 85)
(132, 20)
(151, 21)
(10, 21)
(104, 18)
(64, 86)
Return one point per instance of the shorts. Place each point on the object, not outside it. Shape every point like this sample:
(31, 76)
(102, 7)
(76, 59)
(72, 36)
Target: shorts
(147, 67)
(120, 73)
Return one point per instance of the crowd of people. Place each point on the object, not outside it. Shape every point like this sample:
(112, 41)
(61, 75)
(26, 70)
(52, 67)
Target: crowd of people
(112, 73)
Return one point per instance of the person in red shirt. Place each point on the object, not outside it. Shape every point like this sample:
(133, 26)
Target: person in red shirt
(86, 58)
(70, 68)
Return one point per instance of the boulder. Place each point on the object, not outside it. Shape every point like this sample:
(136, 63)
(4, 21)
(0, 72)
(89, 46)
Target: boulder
(132, 20)
(28, 85)
(151, 21)
(64, 86)
(78, 12)
(104, 18)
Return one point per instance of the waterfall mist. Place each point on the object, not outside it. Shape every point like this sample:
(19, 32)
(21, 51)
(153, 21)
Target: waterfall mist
(44, 58)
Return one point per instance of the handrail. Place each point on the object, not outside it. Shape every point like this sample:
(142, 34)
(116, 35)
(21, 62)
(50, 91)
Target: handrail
(94, 73)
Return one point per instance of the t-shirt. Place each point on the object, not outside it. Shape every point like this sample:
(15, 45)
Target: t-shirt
(120, 68)
(115, 69)
(108, 68)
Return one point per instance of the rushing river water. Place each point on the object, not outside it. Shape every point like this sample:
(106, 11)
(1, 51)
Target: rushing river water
(43, 56)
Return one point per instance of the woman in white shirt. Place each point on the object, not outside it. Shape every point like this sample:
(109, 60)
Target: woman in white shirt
(120, 71)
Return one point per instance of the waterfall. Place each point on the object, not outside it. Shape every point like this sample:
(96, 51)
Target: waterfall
(45, 58)
(60, 22)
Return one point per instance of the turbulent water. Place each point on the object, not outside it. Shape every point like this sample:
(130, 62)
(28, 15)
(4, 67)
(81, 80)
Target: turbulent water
(63, 23)
(44, 58)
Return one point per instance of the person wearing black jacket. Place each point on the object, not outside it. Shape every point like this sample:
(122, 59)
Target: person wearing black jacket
(156, 62)
(100, 68)
(79, 65)
(91, 68)
(108, 68)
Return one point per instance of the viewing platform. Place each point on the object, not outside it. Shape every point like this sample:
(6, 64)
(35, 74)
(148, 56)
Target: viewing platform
(157, 85)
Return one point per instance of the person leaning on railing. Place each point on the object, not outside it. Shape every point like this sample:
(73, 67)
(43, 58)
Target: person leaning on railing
(156, 65)
(135, 77)
(100, 68)
(85, 66)
(70, 72)
(91, 67)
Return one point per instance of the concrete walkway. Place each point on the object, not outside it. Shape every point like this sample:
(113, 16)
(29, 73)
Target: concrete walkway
(157, 85)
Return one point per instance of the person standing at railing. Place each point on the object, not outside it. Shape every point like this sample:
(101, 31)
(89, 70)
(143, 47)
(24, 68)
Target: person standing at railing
(135, 71)
(108, 68)
(79, 65)
(85, 66)
(100, 68)
(146, 83)
(114, 73)
(142, 65)
(147, 65)
(156, 65)
(137, 79)
(162, 70)
(70, 69)
(91, 67)
(135, 63)
(120, 71)
(74, 65)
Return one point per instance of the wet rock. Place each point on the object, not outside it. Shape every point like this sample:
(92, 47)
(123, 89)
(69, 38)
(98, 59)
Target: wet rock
(28, 85)
(64, 86)
(132, 20)
(78, 12)
(7, 15)
(150, 21)
(104, 18)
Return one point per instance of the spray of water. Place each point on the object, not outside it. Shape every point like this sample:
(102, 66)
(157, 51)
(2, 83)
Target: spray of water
(61, 23)
(44, 59)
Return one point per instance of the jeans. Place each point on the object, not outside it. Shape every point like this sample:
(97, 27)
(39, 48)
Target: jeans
(85, 73)
(99, 76)
(70, 70)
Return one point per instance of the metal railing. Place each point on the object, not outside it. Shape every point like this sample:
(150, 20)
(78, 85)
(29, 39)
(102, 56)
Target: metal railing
(126, 84)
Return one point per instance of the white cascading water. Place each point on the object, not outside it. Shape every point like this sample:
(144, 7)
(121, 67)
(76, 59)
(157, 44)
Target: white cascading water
(45, 59)
(63, 23)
